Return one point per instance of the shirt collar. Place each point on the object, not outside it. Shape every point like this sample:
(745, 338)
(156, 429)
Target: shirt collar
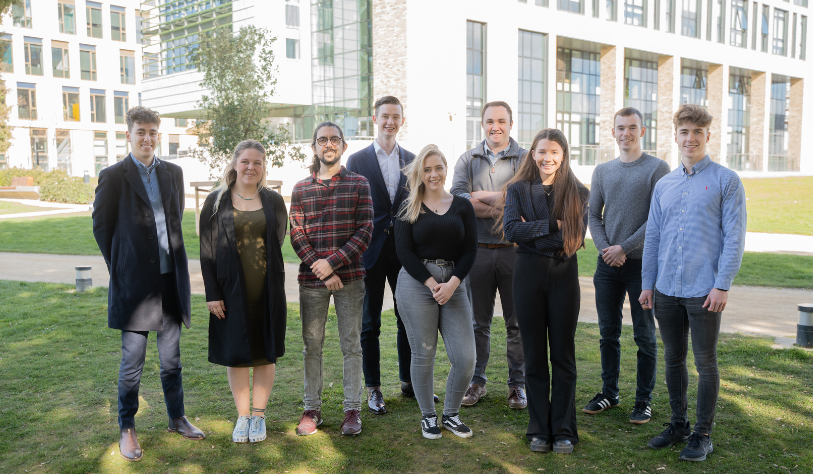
(495, 155)
(379, 149)
(342, 173)
(149, 169)
(698, 167)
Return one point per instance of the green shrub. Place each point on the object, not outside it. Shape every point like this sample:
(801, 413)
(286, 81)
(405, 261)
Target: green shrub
(60, 187)
(39, 175)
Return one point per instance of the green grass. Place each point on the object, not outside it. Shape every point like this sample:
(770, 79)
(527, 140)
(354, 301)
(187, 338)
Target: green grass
(780, 205)
(59, 365)
(7, 207)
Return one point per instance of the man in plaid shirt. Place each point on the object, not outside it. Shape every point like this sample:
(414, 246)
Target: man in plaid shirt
(331, 226)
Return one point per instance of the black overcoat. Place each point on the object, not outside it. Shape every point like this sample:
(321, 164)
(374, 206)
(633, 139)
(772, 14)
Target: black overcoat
(124, 228)
(223, 279)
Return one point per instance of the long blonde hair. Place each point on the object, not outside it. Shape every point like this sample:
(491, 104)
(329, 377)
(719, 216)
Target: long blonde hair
(411, 209)
(230, 175)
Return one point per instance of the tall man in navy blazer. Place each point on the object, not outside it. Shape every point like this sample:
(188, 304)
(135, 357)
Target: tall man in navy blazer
(137, 224)
(381, 164)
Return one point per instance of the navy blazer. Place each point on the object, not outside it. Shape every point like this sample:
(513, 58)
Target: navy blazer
(125, 230)
(365, 163)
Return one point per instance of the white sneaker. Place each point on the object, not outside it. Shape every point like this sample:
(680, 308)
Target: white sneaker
(241, 428)
(257, 430)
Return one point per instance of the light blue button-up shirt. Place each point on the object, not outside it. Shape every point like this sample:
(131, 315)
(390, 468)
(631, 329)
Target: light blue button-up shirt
(695, 235)
(149, 177)
(390, 167)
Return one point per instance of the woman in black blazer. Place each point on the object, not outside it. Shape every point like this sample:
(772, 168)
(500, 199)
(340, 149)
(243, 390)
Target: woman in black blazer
(242, 228)
(545, 213)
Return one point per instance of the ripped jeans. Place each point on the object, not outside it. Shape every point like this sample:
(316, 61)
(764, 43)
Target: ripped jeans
(423, 317)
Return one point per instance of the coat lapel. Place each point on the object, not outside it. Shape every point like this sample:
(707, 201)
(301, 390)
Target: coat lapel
(134, 179)
(375, 171)
(402, 181)
(165, 184)
(227, 221)
(270, 218)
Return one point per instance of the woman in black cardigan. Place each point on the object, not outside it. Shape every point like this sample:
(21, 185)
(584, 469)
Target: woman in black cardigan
(242, 227)
(545, 214)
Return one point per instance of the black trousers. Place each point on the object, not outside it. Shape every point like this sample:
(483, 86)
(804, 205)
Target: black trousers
(385, 270)
(546, 299)
(134, 351)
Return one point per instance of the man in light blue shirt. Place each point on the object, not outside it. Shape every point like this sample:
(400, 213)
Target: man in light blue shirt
(695, 237)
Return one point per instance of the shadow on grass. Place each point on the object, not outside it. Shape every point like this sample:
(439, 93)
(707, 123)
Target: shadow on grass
(59, 364)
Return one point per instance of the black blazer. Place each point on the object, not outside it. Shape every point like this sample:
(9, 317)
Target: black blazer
(223, 280)
(124, 228)
(365, 163)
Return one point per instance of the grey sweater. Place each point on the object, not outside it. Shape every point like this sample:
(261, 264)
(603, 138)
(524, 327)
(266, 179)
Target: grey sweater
(619, 202)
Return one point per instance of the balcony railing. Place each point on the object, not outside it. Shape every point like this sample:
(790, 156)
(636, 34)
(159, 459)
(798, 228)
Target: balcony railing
(744, 162)
(783, 163)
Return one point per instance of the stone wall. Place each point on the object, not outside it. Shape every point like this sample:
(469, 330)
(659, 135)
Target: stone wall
(390, 54)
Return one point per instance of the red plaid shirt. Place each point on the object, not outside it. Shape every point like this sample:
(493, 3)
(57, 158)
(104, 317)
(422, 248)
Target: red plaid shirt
(332, 220)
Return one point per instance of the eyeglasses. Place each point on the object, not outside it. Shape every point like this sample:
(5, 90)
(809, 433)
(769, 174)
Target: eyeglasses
(322, 141)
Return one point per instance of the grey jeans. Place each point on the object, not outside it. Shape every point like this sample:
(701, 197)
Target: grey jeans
(313, 305)
(423, 317)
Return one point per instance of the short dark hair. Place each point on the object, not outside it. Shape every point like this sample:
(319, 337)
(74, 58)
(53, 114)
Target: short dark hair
(142, 115)
(314, 167)
(388, 99)
(497, 103)
(626, 112)
(692, 113)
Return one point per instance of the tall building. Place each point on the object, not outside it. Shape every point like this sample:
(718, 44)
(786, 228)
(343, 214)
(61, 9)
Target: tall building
(568, 64)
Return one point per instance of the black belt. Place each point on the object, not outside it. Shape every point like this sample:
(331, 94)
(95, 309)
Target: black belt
(439, 262)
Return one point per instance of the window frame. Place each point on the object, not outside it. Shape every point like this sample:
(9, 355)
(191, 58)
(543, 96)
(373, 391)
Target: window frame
(29, 56)
(61, 17)
(31, 98)
(122, 32)
(93, 72)
(94, 109)
(65, 71)
(90, 12)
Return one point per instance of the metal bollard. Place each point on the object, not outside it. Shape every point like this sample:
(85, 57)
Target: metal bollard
(83, 280)
(804, 330)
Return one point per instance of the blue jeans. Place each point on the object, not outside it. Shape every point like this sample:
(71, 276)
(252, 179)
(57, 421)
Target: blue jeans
(313, 306)
(676, 317)
(423, 317)
(612, 285)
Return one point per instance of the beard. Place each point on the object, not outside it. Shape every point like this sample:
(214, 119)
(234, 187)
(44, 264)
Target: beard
(336, 158)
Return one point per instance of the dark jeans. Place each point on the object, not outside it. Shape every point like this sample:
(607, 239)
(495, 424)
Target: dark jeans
(134, 351)
(612, 284)
(676, 317)
(494, 269)
(547, 299)
(386, 268)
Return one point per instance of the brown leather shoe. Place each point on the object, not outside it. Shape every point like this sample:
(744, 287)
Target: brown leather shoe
(473, 395)
(308, 422)
(128, 445)
(183, 427)
(352, 423)
(516, 398)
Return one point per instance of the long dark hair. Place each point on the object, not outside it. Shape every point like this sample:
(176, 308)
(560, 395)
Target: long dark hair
(568, 201)
(315, 164)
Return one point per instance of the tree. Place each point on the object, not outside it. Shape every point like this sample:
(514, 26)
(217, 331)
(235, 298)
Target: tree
(238, 72)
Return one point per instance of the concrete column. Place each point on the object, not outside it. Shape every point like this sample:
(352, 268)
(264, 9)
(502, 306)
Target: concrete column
(666, 106)
(703, 19)
(390, 55)
(612, 76)
(724, 117)
(714, 95)
(795, 122)
(552, 62)
(757, 141)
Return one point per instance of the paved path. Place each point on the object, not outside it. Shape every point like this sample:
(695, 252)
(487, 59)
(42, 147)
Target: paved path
(752, 310)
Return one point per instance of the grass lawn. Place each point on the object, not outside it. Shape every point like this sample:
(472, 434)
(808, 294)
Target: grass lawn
(7, 207)
(59, 364)
(780, 205)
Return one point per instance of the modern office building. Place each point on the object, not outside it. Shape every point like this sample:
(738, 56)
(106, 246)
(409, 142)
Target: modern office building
(568, 64)
(72, 68)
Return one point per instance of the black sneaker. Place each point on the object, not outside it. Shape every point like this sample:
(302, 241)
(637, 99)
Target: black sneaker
(453, 424)
(671, 435)
(429, 427)
(599, 403)
(641, 412)
(699, 445)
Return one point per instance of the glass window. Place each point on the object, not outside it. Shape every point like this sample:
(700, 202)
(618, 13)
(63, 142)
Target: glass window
(87, 64)
(532, 86)
(64, 152)
(33, 59)
(780, 32)
(70, 106)
(578, 83)
(765, 29)
(59, 60)
(739, 23)
(670, 15)
(122, 146)
(475, 80)
(3, 161)
(292, 13)
(7, 65)
(100, 150)
(611, 16)
(755, 27)
(181, 122)
(641, 92)
(778, 125)
(94, 20)
(739, 124)
(97, 108)
(174, 145)
(21, 13)
(802, 3)
(118, 27)
(291, 48)
(26, 103)
(151, 65)
(689, 18)
(39, 149)
(803, 38)
(67, 16)
(127, 67)
(693, 81)
(121, 104)
(635, 12)
(574, 6)
(718, 16)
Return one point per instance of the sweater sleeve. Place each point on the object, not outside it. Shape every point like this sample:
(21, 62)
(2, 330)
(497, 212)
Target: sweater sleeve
(466, 260)
(405, 247)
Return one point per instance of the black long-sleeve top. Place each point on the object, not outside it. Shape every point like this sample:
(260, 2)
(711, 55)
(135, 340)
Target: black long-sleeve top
(539, 233)
(450, 236)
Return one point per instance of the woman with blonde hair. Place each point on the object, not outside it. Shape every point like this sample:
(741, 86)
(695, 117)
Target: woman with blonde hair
(436, 242)
(242, 227)
(545, 213)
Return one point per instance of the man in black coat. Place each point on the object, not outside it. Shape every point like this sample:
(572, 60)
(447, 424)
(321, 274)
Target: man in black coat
(137, 225)
(381, 164)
